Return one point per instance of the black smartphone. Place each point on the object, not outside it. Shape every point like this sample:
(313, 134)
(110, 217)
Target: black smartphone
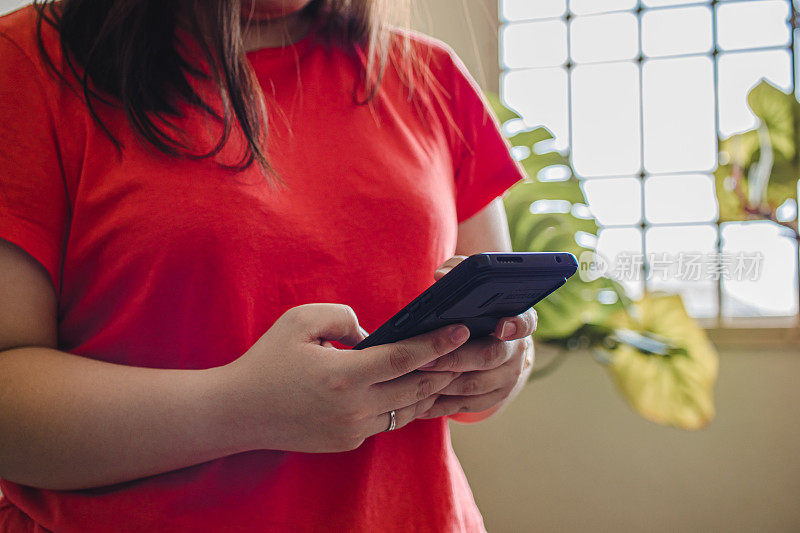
(478, 292)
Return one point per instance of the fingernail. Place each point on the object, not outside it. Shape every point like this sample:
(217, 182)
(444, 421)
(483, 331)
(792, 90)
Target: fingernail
(509, 328)
(459, 334)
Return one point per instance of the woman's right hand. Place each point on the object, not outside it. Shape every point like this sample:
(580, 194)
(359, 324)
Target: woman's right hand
(292, 390)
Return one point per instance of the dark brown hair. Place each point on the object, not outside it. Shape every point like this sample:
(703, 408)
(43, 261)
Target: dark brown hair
(124, 53)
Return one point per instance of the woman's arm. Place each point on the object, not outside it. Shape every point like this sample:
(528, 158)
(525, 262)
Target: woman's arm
(485, 231)
(69, 422)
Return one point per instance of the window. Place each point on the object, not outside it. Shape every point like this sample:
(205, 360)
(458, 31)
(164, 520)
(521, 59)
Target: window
(639, 91)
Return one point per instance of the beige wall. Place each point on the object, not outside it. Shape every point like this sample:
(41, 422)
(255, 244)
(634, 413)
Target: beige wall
(470, 27)
(569, 455)
(10, 5)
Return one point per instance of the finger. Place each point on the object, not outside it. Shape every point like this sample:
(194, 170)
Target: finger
(389, 361)
(483, 353)
(447, 266)
(516, 327)
(450, 405)
(402, 416)
(529, 356)
(409, 389)
(483, 381)
(333, 322)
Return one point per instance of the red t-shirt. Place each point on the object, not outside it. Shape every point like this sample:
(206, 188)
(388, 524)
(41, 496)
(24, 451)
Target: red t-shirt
(174, 263)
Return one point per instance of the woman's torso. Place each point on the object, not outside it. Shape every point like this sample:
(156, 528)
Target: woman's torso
(180, 264)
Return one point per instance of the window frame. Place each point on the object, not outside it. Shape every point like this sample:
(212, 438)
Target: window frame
(740, 331)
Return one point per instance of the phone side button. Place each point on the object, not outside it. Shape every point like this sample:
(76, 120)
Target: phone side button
(401, 320)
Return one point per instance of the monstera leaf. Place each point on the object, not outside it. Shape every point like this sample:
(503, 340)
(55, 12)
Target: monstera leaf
(554, 228)
(771, 148)
(503, 113)
(779, 111)
(530, 140)
(660, 360)
(562, 313)
(672, 385)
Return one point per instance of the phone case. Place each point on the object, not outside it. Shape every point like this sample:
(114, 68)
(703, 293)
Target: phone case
(477, 292)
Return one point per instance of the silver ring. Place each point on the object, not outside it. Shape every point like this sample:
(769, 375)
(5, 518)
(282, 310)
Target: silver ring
(392, 422)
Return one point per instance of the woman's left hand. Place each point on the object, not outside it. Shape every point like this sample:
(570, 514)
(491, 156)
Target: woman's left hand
(494, 367)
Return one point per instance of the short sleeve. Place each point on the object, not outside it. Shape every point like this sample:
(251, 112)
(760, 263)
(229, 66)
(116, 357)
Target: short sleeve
(484, 166)
(33, 199)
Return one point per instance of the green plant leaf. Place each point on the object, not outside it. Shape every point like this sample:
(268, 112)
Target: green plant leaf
(504, 114)
(564, 312)
(777, 110)
(673, 389)
(780, 113)
(730, 207)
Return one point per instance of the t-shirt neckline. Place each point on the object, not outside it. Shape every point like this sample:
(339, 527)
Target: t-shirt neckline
(296, 47)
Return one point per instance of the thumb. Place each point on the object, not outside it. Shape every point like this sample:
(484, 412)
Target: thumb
(447, 266)
(321, 322)
(362, 335)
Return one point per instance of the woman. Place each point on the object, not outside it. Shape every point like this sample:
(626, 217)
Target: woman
(181, 184)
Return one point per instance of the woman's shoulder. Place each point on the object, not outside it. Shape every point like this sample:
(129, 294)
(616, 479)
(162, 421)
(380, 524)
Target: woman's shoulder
(435, 62)
(23, 66)
(417, 46)
(21, 47)
(436, 66)
(32, 92)
(19, 39)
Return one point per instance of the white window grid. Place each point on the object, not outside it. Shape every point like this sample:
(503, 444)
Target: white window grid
(565, 12)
